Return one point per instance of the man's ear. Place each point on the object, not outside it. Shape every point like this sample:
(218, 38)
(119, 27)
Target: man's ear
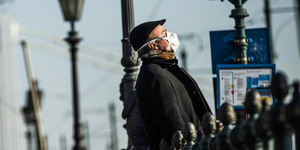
(152, 46)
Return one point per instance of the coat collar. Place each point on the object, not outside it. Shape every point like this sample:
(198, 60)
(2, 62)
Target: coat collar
(160, 61)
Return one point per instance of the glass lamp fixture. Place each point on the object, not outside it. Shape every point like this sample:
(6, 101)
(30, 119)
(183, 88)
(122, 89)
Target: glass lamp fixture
(71, 9)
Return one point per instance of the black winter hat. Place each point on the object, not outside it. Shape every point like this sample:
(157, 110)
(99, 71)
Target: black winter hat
(140, 33)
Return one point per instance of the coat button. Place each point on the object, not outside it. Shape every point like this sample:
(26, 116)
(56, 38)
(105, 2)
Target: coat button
(194, 92)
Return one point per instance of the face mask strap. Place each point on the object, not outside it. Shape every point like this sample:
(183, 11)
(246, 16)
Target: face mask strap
(154, 40)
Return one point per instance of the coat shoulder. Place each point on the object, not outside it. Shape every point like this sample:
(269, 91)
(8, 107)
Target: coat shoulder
(151, 70)
(152, 74)
(152, 67)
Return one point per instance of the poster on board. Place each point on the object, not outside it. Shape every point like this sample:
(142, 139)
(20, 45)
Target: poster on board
(234, 83)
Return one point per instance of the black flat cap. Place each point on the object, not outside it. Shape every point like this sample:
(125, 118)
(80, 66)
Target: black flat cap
(140, 33)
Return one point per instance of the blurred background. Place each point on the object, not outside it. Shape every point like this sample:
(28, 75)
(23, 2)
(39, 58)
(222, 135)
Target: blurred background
(40, 23)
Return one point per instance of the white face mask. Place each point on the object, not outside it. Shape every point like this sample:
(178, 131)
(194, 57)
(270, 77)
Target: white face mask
(171, 38)
(173, 41)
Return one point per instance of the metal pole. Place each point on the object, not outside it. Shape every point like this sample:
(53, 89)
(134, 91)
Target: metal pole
(269, 25)
(297, 3)
(184, 58)
(113, 127)
(73, 41)
(35, 99)
(46, 140)
(130, 58)
(86, 135)
(239, 13)
(28, 136)
(297, 139)
(63, 142)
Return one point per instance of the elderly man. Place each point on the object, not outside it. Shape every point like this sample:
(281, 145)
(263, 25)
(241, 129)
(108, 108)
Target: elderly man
(167, 96)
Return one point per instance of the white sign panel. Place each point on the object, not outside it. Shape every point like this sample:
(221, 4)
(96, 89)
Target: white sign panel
(234, 83)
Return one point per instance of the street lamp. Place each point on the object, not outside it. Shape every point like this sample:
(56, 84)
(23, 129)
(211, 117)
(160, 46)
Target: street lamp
(71, 9)
(240, 42)
(72, 12)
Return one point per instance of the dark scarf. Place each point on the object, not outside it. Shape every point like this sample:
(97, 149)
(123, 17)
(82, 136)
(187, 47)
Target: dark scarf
(159, 54)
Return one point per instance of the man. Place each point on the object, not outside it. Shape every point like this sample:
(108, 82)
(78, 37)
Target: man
(167, 96)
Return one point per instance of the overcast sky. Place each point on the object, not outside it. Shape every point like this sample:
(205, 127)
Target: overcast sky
(41, 25)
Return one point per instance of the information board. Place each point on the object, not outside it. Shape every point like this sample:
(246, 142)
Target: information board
(234, 81)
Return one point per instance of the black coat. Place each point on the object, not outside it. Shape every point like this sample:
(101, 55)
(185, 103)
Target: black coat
(167, 97)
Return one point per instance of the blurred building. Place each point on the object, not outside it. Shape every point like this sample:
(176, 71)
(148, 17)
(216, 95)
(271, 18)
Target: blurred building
(9, 113)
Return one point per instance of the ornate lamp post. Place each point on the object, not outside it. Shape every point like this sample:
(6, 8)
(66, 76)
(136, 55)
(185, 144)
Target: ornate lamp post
(72, 12)
(130, 62)
(30, 119)
(130, 59)
(239, 13)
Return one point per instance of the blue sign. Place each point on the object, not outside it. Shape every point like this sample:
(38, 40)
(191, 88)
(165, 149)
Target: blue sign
(223, 50)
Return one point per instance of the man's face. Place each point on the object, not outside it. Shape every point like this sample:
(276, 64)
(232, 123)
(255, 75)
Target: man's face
(158, 32)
